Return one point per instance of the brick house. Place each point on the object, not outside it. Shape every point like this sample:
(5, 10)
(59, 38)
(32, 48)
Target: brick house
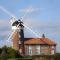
(31, 46)
(39, 46)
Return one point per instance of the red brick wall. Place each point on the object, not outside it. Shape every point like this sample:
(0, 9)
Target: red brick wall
(15, 41)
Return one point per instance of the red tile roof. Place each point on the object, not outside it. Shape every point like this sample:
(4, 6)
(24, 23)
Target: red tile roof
(39, 41)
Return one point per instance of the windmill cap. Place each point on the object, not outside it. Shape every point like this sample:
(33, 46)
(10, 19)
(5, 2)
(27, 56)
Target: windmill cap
(15, 23)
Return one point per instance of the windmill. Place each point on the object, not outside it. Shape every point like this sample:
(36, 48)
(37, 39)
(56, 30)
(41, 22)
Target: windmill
(18, 32)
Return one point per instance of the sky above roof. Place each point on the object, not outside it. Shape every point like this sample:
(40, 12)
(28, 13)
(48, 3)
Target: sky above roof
(43, 17)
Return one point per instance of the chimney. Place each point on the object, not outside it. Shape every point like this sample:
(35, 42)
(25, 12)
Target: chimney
(43, 35)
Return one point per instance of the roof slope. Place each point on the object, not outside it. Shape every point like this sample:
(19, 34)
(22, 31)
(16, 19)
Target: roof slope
(39, 41)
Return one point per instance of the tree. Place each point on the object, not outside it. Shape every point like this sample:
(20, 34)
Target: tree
(8, 52)
(0, 50)
(4, 53)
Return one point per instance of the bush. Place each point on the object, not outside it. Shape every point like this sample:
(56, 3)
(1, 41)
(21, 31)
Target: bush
(11, 53)
(57, 56)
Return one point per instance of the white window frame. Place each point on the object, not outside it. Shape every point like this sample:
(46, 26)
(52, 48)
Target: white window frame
(30, 50)
(52, 52)
(38, 49)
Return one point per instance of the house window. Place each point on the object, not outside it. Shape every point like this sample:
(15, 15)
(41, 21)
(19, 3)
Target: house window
(52, 52)
(30, 50)
(37, 49)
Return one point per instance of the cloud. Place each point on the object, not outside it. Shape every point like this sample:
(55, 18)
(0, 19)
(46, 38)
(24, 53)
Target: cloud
(4, 28)
(29, 10)
(41, 26)
(5, 31)
(4, 25)
(32, 22)
(7, 12)
(2, 22)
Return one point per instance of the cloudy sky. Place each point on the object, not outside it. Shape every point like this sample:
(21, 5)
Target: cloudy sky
(42, 16)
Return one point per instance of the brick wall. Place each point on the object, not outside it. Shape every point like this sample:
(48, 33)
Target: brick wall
(15, 41)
